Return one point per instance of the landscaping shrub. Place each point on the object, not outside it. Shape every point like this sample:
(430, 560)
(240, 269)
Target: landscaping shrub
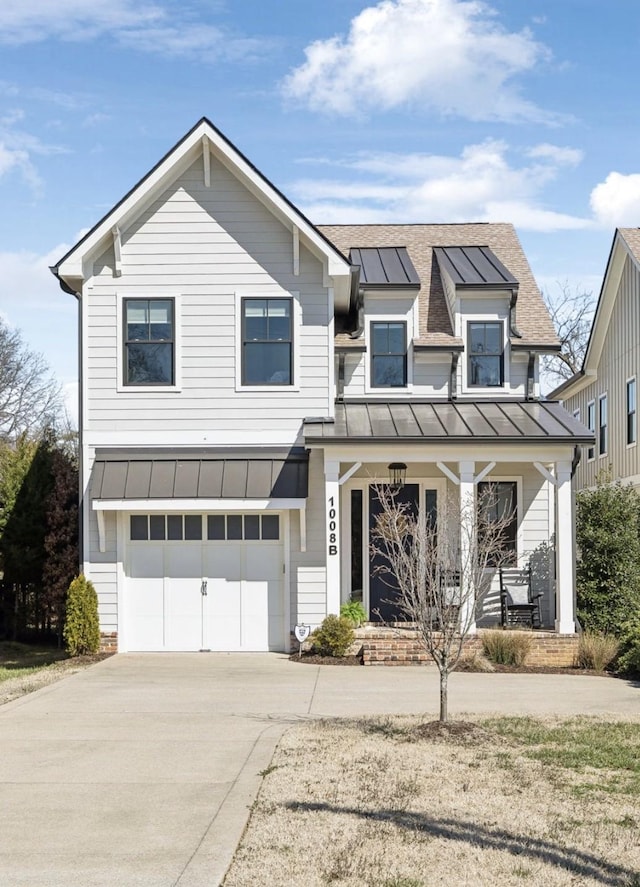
(354, 612)
(596, 650)
(506, 647)
(334, 637)
(82, 628)
(629, 659)
(608, 568)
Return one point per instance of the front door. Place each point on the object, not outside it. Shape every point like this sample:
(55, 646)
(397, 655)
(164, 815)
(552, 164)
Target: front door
(383, 587)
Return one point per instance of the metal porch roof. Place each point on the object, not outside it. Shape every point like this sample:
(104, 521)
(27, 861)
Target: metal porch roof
(200, 474)
(452, 422)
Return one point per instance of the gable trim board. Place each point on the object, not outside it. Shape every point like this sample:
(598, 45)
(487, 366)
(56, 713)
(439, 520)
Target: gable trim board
(71, 268)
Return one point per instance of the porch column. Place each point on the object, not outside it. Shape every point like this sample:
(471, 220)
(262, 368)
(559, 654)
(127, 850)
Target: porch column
(332, 529)
(467, 522)
(565, 551)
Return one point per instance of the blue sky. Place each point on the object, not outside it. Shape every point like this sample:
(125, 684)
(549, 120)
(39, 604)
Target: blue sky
(402, 111)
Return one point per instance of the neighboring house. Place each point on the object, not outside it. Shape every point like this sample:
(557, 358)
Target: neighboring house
(247, 377)
(604, 394)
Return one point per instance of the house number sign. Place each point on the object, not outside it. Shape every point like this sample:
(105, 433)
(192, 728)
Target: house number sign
(332, 527)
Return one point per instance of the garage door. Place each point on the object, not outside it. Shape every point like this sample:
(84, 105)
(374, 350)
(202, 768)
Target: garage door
(222, 591)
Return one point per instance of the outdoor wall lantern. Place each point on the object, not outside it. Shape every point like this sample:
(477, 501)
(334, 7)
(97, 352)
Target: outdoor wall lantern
(397, 474)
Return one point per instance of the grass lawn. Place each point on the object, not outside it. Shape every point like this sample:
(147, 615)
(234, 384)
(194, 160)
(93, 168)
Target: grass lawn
(502, 801)
(24, 668)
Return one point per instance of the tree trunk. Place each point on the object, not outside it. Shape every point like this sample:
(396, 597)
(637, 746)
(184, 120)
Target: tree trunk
(444, 679)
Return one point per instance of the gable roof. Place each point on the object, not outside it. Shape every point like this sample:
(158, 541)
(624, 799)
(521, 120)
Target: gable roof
(202, 136)
(533, 319)
(626, 243)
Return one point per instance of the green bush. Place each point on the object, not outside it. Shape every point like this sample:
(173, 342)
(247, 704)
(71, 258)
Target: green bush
(354, 612)
(82, 628)
(596, 650)
(334, 637)
(506, 647)
(608, 568)
(629, 659)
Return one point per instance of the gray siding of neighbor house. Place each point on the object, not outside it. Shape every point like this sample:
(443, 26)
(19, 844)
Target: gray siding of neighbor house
(620, 360)
(204, 245)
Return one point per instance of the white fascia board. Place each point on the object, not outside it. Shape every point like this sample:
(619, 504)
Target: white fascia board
(123, 214)
(174, 505)
(412, 451)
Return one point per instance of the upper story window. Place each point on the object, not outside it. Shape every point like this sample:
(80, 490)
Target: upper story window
(591, 425)
(388, 354)
(632, 422)
(267, 342)
(149, 342)
(602, 426)
(485, 345)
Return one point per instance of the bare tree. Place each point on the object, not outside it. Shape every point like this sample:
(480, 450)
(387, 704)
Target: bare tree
(30, 397)
(439, 571)
(572, 314)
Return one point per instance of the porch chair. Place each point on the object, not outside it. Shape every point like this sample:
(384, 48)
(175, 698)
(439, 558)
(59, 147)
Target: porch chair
(518, 604)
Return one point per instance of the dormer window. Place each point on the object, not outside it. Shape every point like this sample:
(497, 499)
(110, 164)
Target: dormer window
(485, 343)
(388, 354)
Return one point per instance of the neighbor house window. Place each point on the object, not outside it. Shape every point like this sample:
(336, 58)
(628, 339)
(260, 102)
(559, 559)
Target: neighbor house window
(591, 425)
(602, 426)
(149, 343)
(632, 426)
(486, 354)
(498, 501)
(267, 342)
(388, 354)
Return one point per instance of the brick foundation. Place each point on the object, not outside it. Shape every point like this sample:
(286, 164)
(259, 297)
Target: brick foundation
(388, 646)
(109, 642)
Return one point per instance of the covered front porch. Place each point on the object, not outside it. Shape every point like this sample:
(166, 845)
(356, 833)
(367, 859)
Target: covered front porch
(449, 453)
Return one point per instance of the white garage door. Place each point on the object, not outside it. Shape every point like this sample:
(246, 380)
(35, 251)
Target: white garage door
(223, 591)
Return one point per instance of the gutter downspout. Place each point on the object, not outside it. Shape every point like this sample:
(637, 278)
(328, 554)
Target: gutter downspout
(453, 375)
(513, 329)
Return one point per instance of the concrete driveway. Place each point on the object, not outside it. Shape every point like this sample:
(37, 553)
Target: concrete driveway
(141, 770)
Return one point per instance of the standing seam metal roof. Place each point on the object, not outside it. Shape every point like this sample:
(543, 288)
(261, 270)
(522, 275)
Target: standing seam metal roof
(474, 266)
(384, 266)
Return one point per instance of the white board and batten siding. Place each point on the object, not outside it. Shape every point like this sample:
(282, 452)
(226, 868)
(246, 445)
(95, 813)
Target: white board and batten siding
(619, 362)
(207, 247)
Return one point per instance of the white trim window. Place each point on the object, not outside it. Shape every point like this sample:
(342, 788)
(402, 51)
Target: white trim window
(148, 342)
(485, 350)
(632, 415)
(267, 340)
(591, 425)
(498, 501)
(603, 426)
(388, 353)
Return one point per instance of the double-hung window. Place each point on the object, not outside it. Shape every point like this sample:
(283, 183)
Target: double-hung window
(149, 342)
(267, 342)
(632, 422)
(591, 425)
(388, 354)
(603, 435)
(486, 354)
(498, 504)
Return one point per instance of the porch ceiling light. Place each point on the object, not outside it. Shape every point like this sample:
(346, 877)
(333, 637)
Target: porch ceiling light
(397, 474)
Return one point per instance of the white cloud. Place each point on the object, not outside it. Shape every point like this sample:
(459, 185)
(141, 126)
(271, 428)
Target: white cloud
(451, 56)
(483, 184)
(616, 201)
(17, 148)
(152, 27)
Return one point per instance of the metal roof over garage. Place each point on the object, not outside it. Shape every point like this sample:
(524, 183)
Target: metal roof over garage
(385, 266)
(453, 422)
(199, 474)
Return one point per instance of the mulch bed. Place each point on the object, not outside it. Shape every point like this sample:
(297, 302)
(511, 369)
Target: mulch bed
(315, 659)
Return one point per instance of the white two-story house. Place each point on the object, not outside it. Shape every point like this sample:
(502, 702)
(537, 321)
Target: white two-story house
(247, 377)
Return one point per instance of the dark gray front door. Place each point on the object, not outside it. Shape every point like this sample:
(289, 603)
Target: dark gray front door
(383, 587)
